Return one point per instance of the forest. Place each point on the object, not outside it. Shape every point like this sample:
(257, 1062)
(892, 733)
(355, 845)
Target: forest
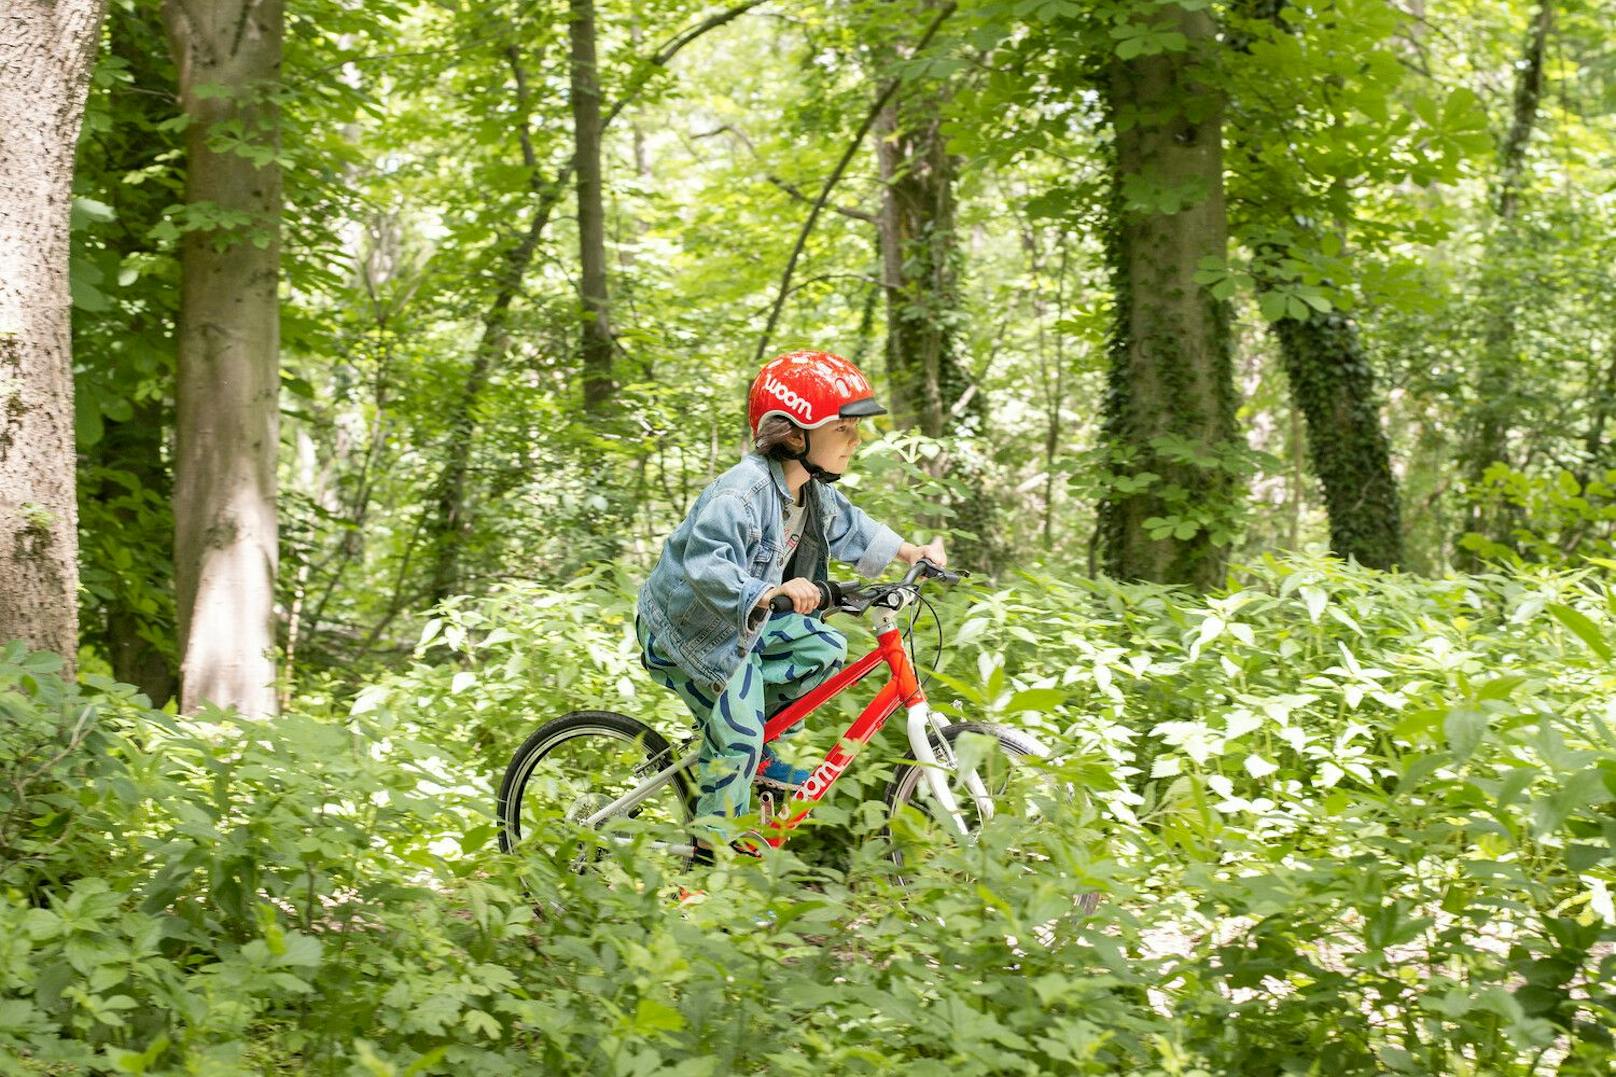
(1256, 358)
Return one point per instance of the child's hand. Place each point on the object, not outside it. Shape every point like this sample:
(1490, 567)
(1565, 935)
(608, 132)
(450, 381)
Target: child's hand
(932, 551)
(804, 595)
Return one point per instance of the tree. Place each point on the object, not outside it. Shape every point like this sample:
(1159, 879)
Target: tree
(128, 177)
(920, 276)
(1169, 406)
(596, 349)
(1333, 385)
(45, 61)
(228, 387)
(920, 265)
(1283, 202)
(449, 517)
(1496, 400)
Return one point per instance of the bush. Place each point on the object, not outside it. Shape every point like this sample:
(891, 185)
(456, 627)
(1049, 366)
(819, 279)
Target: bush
(1346, 821)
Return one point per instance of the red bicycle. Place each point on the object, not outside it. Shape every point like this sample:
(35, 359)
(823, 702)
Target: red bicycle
(589, 768)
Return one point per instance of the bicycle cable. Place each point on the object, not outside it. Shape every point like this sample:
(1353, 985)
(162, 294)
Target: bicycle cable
(909, 635)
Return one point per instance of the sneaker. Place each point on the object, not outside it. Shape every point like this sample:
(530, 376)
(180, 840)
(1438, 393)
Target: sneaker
(777, 774)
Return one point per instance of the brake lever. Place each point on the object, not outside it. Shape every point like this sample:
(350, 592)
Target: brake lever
(937, 572)
(853, 600)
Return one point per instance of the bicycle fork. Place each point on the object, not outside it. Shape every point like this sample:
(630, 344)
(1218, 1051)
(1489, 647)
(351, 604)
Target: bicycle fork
(938, 762)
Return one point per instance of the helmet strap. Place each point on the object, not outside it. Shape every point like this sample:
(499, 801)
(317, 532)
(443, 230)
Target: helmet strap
(814, 470)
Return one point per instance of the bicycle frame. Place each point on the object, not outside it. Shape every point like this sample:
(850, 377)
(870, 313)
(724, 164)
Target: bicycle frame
(903, 689)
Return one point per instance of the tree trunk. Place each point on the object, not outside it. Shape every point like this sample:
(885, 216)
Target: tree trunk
(124, 479)
(920, 268)
(1333, 386)
(930, 387)
(1495, 385)
(227, 395)
(1170, 385)
(45, 58)
(136, 449)
(596, 350)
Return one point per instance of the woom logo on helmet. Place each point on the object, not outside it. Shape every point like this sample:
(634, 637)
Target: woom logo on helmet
(788, 397)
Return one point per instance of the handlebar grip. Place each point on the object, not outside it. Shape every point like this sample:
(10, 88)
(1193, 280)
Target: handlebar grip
(830, 596)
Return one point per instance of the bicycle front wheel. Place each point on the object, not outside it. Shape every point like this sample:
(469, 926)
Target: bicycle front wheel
(1020, 789)
(575, 766)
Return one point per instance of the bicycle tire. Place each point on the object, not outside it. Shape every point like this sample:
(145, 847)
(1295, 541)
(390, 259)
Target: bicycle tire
(908, 779)
(575, 726)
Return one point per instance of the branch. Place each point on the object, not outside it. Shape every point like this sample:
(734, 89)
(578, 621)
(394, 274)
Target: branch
(841, 166)
(668, 51)
(786, 186)
(520, 74)
(550, 193)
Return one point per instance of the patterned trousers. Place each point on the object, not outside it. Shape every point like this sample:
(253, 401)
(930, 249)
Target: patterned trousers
(794, 655)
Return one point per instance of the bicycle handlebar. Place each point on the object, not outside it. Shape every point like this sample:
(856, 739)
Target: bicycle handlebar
(832, 593)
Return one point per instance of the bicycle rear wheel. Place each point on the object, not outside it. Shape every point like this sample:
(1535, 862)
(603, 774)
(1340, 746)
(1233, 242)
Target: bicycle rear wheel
(571, 768)
(1010, 765)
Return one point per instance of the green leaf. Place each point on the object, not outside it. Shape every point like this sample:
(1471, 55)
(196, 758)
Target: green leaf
(1585, 629)
(83, 283)
(87, 425)
(1465, 728)
(654, 1016)
(1500, 687)
(1036, 699)
(1272, 305)
(86, 210)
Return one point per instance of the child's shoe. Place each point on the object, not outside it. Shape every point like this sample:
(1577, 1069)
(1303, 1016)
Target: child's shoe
(745, 846)
(777, 774)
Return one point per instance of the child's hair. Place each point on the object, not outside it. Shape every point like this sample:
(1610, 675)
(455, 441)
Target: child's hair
(778, 438)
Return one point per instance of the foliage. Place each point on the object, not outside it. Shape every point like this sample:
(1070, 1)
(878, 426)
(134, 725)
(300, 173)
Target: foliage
(1555, 517)
(1343, 819)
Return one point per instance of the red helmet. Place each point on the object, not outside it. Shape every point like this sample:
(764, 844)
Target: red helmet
(811, 389)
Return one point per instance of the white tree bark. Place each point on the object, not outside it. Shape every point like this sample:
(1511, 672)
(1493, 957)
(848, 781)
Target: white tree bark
(228, 414)
(46, 51)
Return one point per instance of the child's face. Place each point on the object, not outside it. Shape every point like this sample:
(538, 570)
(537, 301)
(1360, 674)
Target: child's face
(834, 444)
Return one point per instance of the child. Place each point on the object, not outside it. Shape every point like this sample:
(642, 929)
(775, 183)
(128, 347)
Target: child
(764, 528)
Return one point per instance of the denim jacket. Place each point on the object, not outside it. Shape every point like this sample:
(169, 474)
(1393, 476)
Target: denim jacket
(701, 599)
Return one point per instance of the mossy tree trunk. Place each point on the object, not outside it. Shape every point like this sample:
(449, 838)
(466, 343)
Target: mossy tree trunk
(46, 52)
(450, 517)
(124, 476)
(931, 387)
(920, 264)
(1169, 406)
(1333, 386)
(227, 428)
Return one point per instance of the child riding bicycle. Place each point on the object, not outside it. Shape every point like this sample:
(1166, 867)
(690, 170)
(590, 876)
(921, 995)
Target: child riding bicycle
(764, 528)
